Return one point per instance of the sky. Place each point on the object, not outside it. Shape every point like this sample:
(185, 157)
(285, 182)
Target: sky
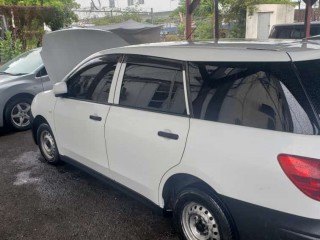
(157, 5)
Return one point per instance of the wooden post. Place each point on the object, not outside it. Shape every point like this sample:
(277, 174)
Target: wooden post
(308, 14)
(190, 7)
(188, 21)
(216, 22)
(307, 18)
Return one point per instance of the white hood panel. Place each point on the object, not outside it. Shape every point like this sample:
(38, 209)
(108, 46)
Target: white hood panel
(63, 50)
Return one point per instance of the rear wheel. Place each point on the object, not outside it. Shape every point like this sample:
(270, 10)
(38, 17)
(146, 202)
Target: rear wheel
(18, 113)
(47, 144)
(200, 216)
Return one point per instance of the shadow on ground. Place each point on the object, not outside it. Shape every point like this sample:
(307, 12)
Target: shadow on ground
(5, 131)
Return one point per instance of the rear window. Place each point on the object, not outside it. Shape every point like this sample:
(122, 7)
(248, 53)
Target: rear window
(261, 95)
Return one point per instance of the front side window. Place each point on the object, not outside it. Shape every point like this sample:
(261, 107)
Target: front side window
(93, 82)
(153, 84)
(130, 2)
(42, 72)
(261, 95)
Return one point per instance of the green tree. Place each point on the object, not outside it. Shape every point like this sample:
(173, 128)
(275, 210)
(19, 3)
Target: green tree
(59, 14)
(26, 19)
(118, 17)
(9, 49)
(235, 11)
(230, 11)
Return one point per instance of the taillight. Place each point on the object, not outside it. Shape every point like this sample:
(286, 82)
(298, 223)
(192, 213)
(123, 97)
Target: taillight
(303, 172)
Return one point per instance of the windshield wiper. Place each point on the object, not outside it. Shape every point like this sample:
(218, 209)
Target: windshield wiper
(3, 73)
(12, 74)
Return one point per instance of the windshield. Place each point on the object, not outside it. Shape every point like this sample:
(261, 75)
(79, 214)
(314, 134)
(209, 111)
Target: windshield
(23, 64)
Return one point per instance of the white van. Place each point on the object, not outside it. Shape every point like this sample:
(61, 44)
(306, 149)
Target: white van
(224, 135)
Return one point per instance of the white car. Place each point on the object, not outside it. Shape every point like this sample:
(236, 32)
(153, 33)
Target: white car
(224, 135)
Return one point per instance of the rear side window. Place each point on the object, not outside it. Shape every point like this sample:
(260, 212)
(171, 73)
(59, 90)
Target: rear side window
(153, 84)
(261, 95)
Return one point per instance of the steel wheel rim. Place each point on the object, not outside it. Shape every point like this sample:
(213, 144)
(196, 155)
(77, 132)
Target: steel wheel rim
(48, 145)
(21, 114)
(198, 223)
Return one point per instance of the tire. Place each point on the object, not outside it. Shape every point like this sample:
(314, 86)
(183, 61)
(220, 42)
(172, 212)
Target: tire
(47, 144)
(18, 114)
(200, 216)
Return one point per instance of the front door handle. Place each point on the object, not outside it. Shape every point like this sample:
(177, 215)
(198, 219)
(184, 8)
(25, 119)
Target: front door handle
(95, 118)
(168, 135)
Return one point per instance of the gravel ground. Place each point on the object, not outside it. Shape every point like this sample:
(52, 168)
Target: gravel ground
(39, 201)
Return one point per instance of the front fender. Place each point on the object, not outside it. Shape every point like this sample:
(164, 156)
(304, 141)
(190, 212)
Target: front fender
(43, 105)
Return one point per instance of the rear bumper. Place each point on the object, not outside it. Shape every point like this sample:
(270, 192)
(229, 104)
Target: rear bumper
(255, 222)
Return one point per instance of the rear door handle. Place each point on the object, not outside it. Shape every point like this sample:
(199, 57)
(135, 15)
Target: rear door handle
(168, 135)
(95, 118)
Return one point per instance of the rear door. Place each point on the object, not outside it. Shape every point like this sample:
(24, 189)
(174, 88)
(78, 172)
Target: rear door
(147, 127)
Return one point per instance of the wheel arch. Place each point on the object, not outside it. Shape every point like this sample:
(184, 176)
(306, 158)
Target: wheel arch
(175, 183)
(14, 97)
(38, 120)
(180, 181)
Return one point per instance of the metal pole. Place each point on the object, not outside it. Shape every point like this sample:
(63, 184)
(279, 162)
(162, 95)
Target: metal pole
(152, 15)
(216, 21)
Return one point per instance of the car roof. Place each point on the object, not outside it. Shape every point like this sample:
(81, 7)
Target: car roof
(296, 24)
(269, 51)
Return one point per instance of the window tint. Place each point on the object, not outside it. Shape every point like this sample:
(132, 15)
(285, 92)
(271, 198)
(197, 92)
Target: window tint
(92, 83)
(42, 72)
(261, 95)
(309, 72)
(154, 85)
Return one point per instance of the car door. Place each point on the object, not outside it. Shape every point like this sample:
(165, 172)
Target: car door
(147, 127)
(80, 116)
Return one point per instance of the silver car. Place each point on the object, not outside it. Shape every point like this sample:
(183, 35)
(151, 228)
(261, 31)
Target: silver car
(20, 80)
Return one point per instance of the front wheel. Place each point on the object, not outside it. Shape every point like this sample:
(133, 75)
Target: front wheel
(200, 216)
(18, 113)
(47, 144)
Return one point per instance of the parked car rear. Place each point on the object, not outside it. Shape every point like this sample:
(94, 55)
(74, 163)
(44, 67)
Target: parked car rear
(293, 30)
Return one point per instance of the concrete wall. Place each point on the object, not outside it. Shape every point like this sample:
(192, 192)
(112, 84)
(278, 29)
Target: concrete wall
(279, 14)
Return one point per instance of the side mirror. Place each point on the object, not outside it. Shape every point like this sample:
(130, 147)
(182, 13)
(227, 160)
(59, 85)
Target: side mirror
(60, 89)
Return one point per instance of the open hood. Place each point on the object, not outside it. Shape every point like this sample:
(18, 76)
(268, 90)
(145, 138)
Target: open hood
(65, 49)
(134, 32)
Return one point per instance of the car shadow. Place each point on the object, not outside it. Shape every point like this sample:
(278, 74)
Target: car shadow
(5, 131)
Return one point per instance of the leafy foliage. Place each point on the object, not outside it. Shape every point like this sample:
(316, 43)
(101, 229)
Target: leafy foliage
(9, 49)
(26, 20)
(231, 11)
(118, 17)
